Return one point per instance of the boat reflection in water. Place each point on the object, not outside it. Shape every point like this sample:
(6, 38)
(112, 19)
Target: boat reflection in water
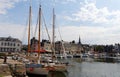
(52, 74)
(57, 74)
(107, 60)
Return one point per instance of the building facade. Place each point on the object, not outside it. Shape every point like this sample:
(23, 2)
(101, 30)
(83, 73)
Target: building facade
(34, 44)
(60, 46)
(9, 44)
(117, 48)
(45, 45)
(69, 47)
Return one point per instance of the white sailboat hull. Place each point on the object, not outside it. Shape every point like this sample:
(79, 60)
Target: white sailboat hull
(45, 70)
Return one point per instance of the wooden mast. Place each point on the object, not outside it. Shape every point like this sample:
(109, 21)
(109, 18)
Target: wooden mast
(29, 25)
(53, 36)
(39, 28)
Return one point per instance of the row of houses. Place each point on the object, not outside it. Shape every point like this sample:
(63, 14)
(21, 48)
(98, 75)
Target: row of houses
(10, 44)
(60, 46)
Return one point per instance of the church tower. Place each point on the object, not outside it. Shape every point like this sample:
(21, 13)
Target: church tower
(79, 46)
(79, 42)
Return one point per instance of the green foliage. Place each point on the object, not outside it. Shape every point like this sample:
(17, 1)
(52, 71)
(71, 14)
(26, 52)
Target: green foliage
(99, 48)
(73, 41)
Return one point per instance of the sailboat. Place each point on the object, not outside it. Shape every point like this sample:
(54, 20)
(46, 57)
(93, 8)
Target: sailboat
(35, 68)
(38, 68)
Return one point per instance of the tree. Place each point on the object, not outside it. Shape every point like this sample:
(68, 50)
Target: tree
(73, 41)
(99, 48)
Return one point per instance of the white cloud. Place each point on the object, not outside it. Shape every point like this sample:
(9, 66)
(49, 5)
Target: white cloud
(97, 34)
(65, 1)
(91, 35)
(71, 0)
(66, 17)
(13, 30)
(89, 12)
(7, 4)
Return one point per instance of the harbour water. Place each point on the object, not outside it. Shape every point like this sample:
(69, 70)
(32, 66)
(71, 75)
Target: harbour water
(91, 68)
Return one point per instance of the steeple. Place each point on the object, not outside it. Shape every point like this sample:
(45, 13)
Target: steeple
(79, 41)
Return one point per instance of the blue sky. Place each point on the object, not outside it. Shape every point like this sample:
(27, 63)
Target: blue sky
(95, 21)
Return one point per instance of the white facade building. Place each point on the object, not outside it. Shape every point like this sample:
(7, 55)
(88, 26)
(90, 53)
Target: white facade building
(9, 44)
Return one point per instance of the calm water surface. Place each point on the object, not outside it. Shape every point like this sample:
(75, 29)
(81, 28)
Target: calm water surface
(91, 68)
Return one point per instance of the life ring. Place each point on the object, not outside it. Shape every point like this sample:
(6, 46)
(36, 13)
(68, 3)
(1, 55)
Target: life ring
(31, 69)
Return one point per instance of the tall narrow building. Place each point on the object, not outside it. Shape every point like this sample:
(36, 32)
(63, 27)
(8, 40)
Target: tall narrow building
(79, 45)
(79, 42)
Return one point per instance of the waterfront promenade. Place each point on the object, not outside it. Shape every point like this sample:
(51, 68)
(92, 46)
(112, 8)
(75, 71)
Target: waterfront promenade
(11, 67)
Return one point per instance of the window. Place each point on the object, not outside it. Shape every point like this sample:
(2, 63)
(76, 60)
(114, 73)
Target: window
(14, 44)
(5, 44)
(11, 44)
(1, 49)
(11, 49)
(1, 43)
(8, 43)
(7, 49)
(17, 49)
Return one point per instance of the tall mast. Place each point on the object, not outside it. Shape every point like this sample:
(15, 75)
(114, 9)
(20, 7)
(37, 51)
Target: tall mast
(63, 47)
(39, 19)
(53, 35)
(29, 25)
